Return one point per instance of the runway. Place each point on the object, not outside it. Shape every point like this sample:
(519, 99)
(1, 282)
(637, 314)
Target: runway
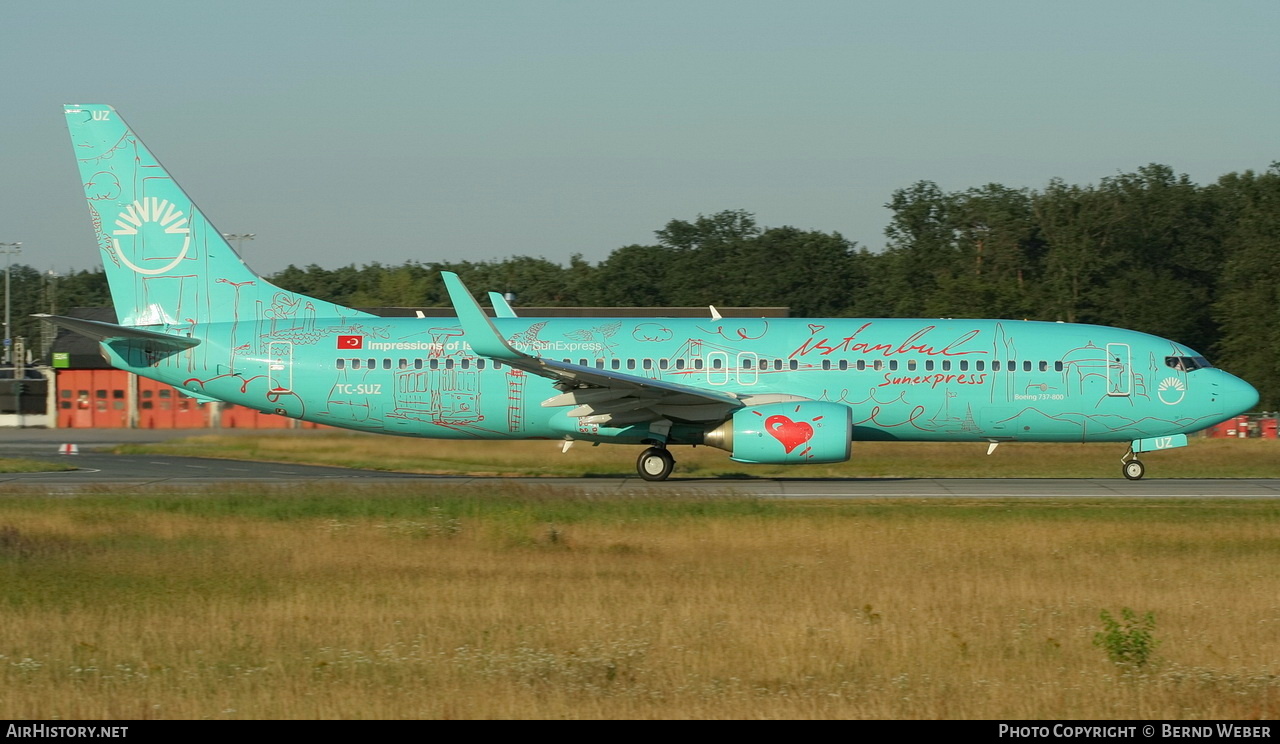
(95, 470)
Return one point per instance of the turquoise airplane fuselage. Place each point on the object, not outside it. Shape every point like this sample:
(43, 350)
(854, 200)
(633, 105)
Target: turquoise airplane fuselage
(789, 391)
(904, 379)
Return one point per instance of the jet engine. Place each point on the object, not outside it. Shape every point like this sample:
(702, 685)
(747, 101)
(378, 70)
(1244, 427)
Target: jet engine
(791, 433)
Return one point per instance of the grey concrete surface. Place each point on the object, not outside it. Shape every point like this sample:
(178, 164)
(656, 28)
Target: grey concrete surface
(97, 468)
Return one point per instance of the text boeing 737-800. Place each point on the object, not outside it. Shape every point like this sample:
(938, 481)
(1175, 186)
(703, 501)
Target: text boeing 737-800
(192, 314)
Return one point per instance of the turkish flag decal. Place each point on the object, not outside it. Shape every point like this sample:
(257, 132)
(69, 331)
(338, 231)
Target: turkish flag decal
(350, 342)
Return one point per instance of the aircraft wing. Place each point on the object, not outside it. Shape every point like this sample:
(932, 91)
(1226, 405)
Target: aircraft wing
(598, 396)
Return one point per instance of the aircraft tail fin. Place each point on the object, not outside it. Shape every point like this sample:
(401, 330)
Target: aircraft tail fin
(165, 262)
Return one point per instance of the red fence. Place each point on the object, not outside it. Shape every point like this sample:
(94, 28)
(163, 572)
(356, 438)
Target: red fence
(101, 399)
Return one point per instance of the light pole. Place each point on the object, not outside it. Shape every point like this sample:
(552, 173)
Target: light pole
(9, 250)
(48, 330)
(239, 238)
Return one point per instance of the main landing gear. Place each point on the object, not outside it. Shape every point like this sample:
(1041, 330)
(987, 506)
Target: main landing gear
(1131, 466)
(655, 464)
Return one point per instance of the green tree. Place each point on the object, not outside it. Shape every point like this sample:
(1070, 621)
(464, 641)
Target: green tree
(1247, 307)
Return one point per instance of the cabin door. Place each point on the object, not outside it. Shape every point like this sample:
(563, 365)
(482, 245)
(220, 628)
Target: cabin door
(280, 366)
(1119, 370)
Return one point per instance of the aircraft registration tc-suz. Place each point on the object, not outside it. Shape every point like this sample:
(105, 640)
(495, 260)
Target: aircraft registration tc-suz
(789, 390)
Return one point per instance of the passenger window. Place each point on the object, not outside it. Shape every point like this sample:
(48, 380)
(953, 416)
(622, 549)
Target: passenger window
(355, 364)
(417, 364)
(386, 363)
(878, 364)
(1057, 366)
(717, 363)
(826, 364)
(448, 363)
(1044, 366)
(434, 364)
(980, 365)
(946, 365)
(404, 364)
(480, 364)
(615, 363)
(679, 364)
(631, 364)
(928, 365)
(844, 364)
(697, 364)
(795, 364)
(911, 365)
(995, 365)
(964, 365)
(466, 364)
(647, 364)
(893, 365)
(662, 364)
(1026, 366)
(342, 364)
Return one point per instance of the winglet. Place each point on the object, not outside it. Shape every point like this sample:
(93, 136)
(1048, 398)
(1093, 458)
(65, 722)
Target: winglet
(501, 308)
(478, 328)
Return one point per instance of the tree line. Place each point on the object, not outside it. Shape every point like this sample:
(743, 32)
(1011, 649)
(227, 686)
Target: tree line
(1148, 250)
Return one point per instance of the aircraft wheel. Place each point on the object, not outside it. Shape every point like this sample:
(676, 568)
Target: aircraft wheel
(655, 464)
(1134, 470)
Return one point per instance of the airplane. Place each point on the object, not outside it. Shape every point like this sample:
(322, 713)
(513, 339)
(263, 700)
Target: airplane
(775, 390)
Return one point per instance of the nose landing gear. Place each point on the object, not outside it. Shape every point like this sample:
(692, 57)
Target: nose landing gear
(1131, 466)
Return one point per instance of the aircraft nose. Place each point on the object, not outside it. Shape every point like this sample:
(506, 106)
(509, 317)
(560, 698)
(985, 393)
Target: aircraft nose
(1235, 395)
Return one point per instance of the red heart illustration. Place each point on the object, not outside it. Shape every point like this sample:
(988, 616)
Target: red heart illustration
(792, 434)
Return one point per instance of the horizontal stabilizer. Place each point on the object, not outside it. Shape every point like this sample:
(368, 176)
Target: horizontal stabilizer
(106, 332)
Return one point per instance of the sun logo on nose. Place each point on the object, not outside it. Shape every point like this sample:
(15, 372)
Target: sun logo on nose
(1171, 390)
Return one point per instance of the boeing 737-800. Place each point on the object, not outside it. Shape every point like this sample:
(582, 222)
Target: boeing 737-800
(193, 315)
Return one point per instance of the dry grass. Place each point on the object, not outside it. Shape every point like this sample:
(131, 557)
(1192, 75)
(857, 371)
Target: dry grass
(24, 465)
(1204, 458)
(530, 604)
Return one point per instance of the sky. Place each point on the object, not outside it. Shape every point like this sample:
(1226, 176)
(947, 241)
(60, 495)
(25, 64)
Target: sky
(391, 131)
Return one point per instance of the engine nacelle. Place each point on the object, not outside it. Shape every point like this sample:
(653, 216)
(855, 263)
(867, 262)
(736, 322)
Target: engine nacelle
(792, 433)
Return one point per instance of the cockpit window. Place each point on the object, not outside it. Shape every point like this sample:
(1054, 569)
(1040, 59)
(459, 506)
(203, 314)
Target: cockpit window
(1187, 364)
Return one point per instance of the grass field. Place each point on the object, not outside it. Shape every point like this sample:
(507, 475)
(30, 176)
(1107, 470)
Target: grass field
(524, 602)
(1204, 458)
(22, 465)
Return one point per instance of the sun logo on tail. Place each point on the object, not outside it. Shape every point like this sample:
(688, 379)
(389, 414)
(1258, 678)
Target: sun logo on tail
(152, 210)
